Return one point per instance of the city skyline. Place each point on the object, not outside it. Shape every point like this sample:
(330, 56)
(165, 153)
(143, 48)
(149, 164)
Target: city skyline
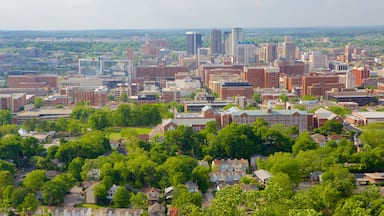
(173, 14)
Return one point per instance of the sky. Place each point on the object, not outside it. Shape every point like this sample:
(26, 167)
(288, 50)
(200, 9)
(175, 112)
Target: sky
(186, 14)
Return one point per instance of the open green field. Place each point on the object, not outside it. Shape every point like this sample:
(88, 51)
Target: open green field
(85, 205)
(115, 132)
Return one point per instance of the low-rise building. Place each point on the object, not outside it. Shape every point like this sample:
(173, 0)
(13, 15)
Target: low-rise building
(323, 115)
(43, 114)
(262, 176)
(13, 102)
(377, 177)
(195, 123)
(364, 118)
(289, 117)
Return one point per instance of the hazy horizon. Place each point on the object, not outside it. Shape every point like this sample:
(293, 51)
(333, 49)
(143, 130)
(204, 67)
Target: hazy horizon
(182, 14)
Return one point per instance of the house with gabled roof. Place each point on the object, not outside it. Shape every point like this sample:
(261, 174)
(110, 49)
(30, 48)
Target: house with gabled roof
(262, 176)
(153, 195)
(323, 115)
(319, 139)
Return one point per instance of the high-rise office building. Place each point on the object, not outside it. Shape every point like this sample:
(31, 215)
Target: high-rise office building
(271, 52)
(193, 42)
(216, 42)
(237, 36)
(246, 53)
(227, 41)
(289, 50)
(348, 49)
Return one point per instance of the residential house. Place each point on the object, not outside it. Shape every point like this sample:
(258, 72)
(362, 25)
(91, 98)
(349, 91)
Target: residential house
(377, 177)
(89, 194)
(153, 195)
(74, 211)
(262, 176)
(192, 186)
(319, 139)
(94, 174)
(112, 191)
(168, 192)
(315, 176)
(156, 209)
(323, 115)
(230, 165)
(226, 177)
(228, 172)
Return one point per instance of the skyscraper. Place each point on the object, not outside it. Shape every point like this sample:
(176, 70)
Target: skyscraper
(348, 49)
(271, 52)
(289, 50)
(237, 36)
(227, 43)
(193, 42)
(246, 53)
(216, 42)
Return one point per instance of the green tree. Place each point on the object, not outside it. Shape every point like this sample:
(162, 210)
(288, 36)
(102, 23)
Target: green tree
(4, 165)
(279, 186)
(340, 111)
(181, 197)
(177, 170)
(53, 191)
(284, 163)
(182, 138)
(331, 126)
(6, 179)
(139, 200)
(121, 198)
(228, 202)
(236, 141)
(201, 177)
(304, 142)
(38, 102)
(5, 117)
(30, 203)
(99, 120)
(124, 97)
(284, 98)
(35, 180)
(257, 98)
(74, 168)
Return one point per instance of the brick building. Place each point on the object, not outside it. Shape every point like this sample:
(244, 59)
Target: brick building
(152, 47)
(205, 70)
(168, 95)
(317, 84)
(360, 74)
(96, 96)
(291, 67)
(32, 81)
(230, 89)
(290, 117)
(292, 82)
(262, 77)
(153, 73)
(13, 102)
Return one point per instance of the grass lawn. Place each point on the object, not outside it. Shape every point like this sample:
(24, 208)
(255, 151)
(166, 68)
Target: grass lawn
(93, 206)
(115, 132)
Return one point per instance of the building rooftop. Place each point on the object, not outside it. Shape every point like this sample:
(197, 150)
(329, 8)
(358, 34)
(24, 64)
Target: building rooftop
(369, 114)
(273, 112)
(188, 122)
(41, 112)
